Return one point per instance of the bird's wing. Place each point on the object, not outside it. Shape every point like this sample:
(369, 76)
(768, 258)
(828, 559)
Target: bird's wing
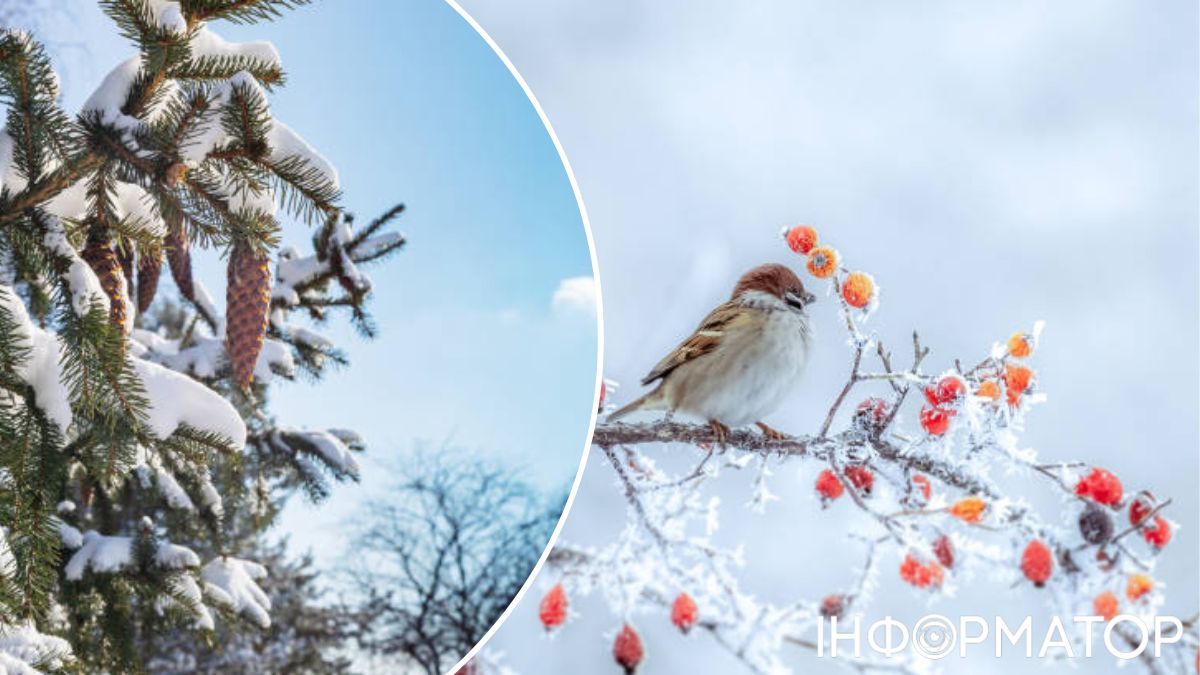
(705, 339)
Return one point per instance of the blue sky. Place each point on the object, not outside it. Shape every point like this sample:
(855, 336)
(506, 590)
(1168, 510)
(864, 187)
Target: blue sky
(412, 105)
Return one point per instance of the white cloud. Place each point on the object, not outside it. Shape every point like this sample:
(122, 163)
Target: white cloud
(575, 295)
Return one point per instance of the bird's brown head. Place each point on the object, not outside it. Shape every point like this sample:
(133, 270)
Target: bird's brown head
(778, 281)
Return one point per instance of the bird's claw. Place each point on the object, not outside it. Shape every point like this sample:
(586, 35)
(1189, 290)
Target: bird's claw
(772, 434)
(720, 431)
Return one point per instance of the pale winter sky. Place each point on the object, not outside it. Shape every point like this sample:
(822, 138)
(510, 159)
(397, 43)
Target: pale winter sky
(992, 163)
(487, 339)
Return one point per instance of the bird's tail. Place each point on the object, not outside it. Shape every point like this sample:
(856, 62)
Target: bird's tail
(654, 400)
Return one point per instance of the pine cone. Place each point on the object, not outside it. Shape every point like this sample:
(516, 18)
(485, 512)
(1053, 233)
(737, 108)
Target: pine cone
(126, 259)
(99, 255)
(179, 257)
(247, 297)
(149, 267)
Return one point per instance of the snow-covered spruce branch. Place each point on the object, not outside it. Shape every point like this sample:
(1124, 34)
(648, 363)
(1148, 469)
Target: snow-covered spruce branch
(945, 501)
(138, 459)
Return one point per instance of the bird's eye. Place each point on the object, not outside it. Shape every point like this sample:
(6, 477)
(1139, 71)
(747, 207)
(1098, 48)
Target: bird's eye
(794, 299)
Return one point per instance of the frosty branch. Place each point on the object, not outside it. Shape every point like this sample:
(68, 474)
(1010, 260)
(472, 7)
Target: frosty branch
(928, 500)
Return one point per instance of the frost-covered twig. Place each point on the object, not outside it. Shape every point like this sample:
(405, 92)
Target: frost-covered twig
(939, 497)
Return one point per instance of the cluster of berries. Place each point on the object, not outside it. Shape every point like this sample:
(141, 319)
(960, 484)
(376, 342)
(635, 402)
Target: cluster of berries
(1012, 381)
(823, 262)
(628, 650)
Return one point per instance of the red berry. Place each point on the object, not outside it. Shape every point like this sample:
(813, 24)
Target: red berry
(1158, 535)
(1141, 507)
(829, 486)
(683, 612)
(871, 415)
(1100, 486)
(1037, 563)
(553, 610)
(861, 478)
(921, 481)
(934, 420)
(919, 574)
(949, 390)
(801, 239)
(627, 649)
(833, 605)
(943, 548)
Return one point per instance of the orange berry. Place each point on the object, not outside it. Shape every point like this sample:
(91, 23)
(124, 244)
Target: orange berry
(822, 262)
(1138, 586)
(801, 239)
(1017, 379)
(989, 389)
(858, 289)
(1020, 345)
(969, 509)
(1106, 605)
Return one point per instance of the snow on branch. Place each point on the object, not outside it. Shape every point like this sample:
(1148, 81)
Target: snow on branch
(946, 501)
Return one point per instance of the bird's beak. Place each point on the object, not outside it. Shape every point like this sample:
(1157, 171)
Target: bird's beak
(799, 300)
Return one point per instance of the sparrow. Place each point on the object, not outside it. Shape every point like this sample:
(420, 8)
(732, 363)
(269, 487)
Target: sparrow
(743, 358)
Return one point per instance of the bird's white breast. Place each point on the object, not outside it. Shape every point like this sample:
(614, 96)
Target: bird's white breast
(749, 374)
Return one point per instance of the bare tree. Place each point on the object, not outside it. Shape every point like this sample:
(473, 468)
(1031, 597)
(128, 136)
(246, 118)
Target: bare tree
(440, 558)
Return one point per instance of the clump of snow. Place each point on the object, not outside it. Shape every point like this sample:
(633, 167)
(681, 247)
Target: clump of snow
(41, 370)
(177, 399)
(71, 537)
(336, 454)
(110, 96)
(186, 587)
(10, 178)
(172, 491)
(101, 554)
(85, 286)
(206, 355)
(207, 43)
(105, 554)
(8, 564)
(22, 647)
(231, 582)
(173, 556)
(168, 15)
(287, 143)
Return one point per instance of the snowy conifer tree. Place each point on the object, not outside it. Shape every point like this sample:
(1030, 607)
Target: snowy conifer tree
(139, 463)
